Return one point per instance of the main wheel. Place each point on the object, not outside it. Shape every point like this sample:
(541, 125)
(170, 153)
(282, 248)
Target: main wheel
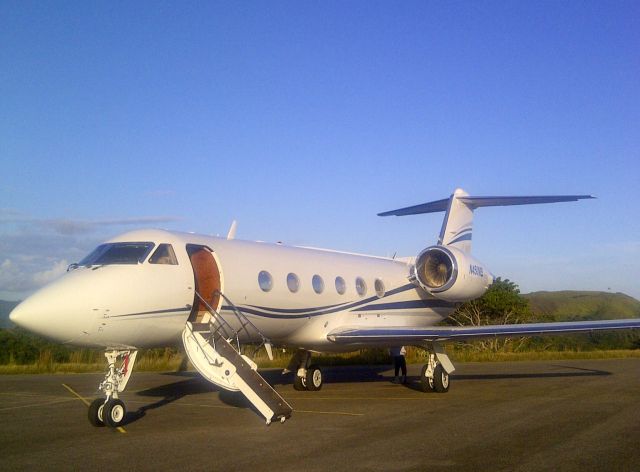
(425, 383)
(96, 410)
(314, 378)
(299, 383)
(440, 380)
(114, 412)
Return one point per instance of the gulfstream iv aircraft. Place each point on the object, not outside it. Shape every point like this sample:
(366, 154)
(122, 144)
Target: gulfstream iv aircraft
(153, 288)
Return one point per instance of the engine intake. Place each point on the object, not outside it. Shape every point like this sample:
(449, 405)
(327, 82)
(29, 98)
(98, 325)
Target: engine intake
(436, 269)
(450, 274)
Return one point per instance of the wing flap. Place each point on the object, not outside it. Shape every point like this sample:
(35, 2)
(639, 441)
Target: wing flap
(404, 335)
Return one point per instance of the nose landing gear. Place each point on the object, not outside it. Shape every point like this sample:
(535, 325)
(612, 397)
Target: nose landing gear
(111, 411)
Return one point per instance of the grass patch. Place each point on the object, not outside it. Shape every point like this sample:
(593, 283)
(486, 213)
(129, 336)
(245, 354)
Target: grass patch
(170, 360)
(151, 360)
(53, 368)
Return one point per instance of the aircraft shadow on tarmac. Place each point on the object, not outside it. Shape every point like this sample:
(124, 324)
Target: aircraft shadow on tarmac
(576, 372)
(414, 383)
(194, 384)
(169, 393)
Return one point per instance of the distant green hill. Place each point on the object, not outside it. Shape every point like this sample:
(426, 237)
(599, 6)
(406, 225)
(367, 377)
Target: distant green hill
(5, 309)
(574, 305)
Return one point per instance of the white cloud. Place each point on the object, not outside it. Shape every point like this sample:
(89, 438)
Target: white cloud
(67, 226)
(13, 277)
(33, 252)
(46, 276)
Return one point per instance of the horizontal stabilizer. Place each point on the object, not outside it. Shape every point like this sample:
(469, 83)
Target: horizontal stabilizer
(477, 202)
(430, 207)
(403, 335)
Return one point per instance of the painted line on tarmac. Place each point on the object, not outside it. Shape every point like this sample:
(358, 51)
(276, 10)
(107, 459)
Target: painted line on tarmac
(422, 399)
(86, 402)
(76, 394)
(32, 395)
(197, 405)
(227, 407)
(32, 405)
(26, 394)
(341, 413)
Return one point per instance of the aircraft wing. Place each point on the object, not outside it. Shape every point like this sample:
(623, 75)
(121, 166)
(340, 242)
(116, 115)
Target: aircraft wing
(405, 335)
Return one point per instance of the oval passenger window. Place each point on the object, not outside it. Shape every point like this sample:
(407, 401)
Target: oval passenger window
(265, 280)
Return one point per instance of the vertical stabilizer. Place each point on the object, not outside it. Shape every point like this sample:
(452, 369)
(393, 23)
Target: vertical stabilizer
(457, 226)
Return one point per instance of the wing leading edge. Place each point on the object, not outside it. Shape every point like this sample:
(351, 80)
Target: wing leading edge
(404, 335)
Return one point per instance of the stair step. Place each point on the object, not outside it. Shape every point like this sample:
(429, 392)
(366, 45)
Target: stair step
(255, 381)
(200, 327)
(212, 355)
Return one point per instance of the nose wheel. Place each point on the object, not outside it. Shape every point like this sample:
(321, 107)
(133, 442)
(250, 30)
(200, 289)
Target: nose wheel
(114, 412)
(96, 412)
(110, 411)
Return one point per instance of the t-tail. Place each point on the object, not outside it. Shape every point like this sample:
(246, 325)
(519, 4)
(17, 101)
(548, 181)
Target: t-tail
(447, 270)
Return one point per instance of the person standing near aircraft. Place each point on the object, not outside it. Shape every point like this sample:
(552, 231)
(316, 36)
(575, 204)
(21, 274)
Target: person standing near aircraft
(399, 363)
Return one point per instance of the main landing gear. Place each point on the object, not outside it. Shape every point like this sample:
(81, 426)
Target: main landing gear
(308, 377)
(435, 373)
(434, 376)
(111, 411)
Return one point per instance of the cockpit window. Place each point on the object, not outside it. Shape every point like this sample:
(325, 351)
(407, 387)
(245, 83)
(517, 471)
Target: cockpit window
(118, 253)
(164, 255)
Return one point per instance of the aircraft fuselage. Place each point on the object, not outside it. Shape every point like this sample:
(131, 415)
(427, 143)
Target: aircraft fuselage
(295, 296)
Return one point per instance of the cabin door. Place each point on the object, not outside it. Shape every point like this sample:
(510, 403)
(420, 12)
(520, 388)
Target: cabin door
(208, 280)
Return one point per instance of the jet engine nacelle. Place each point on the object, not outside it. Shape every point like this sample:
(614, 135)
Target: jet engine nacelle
(450, 274)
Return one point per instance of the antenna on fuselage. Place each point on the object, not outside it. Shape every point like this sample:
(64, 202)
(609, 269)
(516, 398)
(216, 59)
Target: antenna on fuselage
(232, 230)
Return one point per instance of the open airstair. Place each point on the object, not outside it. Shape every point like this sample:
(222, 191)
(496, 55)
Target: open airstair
(213, 347)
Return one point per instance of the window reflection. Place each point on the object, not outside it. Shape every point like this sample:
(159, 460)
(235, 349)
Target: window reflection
(293, 282)
(318, 284)
(265, 280)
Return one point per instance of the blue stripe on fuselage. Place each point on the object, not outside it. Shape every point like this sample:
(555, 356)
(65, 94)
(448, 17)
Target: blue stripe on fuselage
(364, 305)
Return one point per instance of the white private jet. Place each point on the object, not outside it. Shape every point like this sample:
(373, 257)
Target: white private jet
(150, 288)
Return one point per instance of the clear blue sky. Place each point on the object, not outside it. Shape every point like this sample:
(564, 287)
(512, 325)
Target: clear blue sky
(302, 120)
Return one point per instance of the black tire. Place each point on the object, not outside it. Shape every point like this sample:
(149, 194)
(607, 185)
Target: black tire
(96, 412)
(299, 383)
(440, 380)
(314, 378)
(114, 412)
(426, 384)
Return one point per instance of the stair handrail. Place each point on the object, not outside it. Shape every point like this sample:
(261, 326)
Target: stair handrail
(244, 321)
(225, 327)
(223, 324)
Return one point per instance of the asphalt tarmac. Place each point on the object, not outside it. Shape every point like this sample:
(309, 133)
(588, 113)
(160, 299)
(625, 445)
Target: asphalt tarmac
(553, 415)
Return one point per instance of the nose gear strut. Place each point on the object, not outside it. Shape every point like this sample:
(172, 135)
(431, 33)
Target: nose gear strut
(110, 410)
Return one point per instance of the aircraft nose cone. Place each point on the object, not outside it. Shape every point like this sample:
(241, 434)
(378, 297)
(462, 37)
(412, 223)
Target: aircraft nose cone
(55, 311)
(14, 316)
(26, 315)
